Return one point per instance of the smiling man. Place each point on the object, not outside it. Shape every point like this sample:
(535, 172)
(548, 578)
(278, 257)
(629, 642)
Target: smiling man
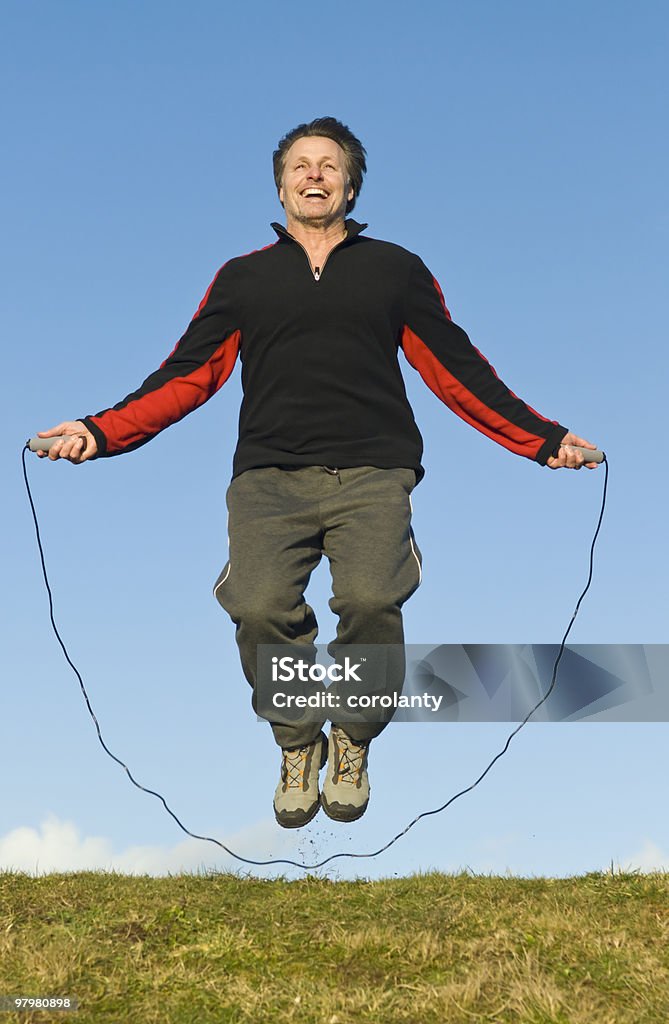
(328, 450)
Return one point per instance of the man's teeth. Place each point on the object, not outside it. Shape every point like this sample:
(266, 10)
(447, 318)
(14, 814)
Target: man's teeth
(315, 192)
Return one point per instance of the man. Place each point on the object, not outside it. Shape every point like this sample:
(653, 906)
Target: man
(328, 450)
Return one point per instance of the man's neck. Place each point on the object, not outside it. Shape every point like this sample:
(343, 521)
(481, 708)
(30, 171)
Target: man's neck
(316, 238)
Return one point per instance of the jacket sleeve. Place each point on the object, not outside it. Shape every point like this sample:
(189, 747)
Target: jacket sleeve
(200, 363)
(462, 377)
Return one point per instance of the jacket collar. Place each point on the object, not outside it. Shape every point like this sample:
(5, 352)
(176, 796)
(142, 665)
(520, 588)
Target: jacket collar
(353, 229)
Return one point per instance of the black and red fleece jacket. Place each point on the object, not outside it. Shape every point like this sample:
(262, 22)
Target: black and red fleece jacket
(320, 371)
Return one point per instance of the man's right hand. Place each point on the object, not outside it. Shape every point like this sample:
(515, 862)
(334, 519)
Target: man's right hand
(80, 446)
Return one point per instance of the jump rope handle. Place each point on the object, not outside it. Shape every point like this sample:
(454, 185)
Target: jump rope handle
(43, 444)
(589, 454)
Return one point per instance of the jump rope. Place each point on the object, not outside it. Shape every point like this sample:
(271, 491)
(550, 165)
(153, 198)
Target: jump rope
(41, 444)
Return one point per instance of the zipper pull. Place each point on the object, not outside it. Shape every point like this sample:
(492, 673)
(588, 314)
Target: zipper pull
(317, 273)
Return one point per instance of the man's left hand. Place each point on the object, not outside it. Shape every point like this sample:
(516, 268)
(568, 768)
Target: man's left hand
(569, 458)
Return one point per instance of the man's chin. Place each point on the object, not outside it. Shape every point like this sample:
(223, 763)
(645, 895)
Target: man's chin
(316, 220)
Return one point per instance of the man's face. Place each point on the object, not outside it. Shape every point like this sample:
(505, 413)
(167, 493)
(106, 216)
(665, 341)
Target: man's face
(315, 187)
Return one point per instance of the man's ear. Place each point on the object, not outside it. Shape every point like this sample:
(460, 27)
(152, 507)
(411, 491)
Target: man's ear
(351, 193)
(281, 194)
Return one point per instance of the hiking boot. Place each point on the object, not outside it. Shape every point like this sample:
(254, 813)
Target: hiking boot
(346, 789)
(296, 800)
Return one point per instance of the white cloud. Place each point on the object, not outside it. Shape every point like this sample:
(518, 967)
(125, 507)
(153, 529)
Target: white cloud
(59, 846)
(649, 857)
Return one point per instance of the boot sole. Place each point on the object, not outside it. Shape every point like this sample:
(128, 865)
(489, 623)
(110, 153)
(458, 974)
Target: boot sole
(298, 824)
(341, 812)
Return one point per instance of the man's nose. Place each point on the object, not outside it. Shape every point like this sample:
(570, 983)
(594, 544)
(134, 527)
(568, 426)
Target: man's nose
(315, 172)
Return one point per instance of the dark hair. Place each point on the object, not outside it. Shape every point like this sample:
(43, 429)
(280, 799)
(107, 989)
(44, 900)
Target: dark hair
(327, 128)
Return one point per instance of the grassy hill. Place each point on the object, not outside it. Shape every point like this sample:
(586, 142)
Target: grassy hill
(431, 948)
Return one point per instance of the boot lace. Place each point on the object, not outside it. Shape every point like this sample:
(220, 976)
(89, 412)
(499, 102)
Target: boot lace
(351, 762)
(293, 767)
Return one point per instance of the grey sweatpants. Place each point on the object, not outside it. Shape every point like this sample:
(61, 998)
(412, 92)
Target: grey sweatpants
(282, 520)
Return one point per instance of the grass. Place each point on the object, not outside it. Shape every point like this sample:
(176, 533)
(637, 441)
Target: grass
(193, 949)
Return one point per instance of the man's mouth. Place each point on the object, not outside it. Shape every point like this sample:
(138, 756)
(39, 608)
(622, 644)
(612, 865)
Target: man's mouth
(315, 193)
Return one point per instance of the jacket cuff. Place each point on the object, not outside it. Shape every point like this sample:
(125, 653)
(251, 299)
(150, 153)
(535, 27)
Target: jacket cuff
(551, 444)
(100, 438)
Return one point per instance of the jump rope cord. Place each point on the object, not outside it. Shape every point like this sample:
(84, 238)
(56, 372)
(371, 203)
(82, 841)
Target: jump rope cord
(335, 856)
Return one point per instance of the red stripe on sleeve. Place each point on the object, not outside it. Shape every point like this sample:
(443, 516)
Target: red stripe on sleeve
(447, 312)
(146, 416)
(441, 298)
(199, 309)
(544, 418)
(464, 403)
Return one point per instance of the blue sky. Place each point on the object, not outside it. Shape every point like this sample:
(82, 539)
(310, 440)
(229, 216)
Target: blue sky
(519, 149)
